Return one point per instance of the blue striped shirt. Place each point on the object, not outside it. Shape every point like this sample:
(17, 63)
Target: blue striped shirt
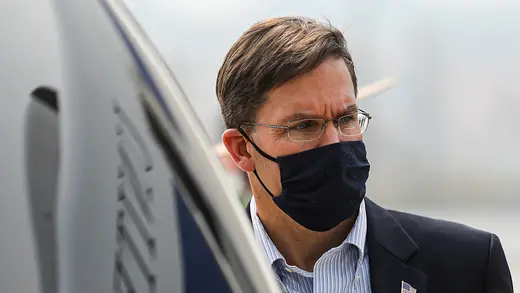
(341, 269)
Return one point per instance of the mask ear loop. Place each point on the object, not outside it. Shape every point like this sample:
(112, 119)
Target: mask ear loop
(244, 134)
(263, 185)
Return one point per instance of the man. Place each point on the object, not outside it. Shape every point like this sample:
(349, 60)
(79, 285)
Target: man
(287, 90)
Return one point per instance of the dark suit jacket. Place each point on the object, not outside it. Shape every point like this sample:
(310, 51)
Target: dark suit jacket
(433, 256)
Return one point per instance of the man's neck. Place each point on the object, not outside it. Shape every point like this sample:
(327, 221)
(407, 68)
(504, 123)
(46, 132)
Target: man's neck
(299, 246)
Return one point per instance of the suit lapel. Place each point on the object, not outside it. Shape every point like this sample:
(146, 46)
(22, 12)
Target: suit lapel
(248, 211)
(390, 248)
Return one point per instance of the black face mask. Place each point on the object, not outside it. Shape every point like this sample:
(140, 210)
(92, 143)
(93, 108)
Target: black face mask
(321, 187)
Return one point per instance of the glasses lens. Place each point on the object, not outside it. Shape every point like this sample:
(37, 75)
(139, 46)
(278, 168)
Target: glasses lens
(354, 124)
(363, 122)
(305, 129)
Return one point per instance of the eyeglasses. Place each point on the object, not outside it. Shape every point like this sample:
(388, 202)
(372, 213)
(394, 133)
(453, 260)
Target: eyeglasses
(304, 130)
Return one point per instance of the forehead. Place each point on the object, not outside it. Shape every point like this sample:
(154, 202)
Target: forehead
(325, 92)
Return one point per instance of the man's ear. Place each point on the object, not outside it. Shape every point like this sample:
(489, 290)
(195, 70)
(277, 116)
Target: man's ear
(236, 146)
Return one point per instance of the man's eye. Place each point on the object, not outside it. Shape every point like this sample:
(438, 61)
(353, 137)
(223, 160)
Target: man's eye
(348, 118)
(304, 125)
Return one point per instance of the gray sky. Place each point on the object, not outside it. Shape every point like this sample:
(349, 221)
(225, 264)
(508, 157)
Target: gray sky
(447, 133)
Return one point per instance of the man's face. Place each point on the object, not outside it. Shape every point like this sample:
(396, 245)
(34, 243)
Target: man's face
(326, 92)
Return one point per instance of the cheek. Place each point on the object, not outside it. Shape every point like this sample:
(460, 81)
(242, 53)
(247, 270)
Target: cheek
(308, 146)
(274, 183)
(284, 147)
(269, 173)
(351, 138)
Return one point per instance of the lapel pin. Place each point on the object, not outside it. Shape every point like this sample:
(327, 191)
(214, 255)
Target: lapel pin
(407, 288)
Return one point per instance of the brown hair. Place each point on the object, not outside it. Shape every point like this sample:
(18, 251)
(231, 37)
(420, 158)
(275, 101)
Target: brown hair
(269, 54)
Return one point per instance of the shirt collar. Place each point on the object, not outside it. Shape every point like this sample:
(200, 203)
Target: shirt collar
(358, 234)
(356, 237)
(261, 235)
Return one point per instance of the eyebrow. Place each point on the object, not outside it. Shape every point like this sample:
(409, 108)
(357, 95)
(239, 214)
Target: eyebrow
(351, 109)
(298, 116)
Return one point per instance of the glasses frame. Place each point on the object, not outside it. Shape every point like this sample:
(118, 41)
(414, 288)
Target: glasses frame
(326, 121)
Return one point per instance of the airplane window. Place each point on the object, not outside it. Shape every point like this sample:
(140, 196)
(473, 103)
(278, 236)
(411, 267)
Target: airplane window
(42, 162)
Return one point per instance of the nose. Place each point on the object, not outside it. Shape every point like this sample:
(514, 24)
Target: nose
(330, 135)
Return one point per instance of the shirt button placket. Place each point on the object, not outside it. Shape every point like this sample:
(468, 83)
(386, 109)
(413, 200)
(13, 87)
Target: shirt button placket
(356, 282)
(357, 278)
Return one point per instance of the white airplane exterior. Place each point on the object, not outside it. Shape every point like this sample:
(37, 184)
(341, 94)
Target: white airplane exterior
(124, 192)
